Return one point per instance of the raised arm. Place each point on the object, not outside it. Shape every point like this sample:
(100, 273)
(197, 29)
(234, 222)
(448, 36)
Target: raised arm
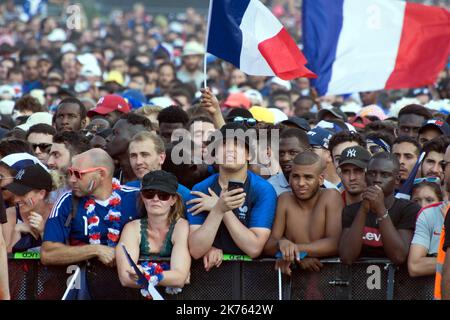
(210, 103)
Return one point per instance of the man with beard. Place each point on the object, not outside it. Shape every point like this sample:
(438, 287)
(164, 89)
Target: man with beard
(292, 142)
(190, 71)
(407, 151)
(308, 219)
(65, 146)
(380, 225)
(353, 164)
(117, 143)
(102, 209)
(434, 154)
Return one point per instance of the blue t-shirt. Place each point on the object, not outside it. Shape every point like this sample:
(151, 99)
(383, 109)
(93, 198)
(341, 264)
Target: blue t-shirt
(258, 210)
(77, 232)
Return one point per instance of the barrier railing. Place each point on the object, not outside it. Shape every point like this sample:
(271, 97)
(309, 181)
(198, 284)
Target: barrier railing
(233, 280)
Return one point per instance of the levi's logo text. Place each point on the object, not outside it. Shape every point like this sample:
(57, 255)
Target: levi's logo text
(372, 237)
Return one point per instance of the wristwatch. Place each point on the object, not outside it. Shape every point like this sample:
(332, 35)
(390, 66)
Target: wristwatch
(384, 216)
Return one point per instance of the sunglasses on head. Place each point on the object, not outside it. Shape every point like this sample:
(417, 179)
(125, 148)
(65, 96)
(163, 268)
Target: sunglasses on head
(150, 194)
(430, 179)
(79, 173)
(248, 121)
(42, 146)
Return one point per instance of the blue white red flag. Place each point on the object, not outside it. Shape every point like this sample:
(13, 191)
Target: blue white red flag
(246, 34)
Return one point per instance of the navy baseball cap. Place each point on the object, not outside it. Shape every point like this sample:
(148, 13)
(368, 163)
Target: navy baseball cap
(442, 126)
(298, 122)
(319, 137)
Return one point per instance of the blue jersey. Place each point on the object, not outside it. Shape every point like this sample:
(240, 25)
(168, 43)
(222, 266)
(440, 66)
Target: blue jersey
(258, 210)
(77, 232)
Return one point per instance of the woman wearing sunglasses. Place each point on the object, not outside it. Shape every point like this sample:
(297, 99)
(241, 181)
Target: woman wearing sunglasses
(25, 227)
(162, 232)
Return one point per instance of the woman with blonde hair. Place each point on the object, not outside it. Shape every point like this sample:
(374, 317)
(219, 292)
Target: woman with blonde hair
(162, 232)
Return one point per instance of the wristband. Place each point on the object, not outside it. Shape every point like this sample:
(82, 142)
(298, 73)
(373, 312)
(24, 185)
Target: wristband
(153, 272)
(384, 216)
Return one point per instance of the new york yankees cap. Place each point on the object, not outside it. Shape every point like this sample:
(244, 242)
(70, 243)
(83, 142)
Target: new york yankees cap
(33, 177)
(355, 155)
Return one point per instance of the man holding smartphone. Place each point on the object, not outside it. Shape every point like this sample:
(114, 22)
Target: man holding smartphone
(240, 220)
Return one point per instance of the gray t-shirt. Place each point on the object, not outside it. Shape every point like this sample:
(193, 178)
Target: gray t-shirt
(279, 183)
(428, 228)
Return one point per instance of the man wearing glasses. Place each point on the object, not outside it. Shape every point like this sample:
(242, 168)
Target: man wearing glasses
(103, 208)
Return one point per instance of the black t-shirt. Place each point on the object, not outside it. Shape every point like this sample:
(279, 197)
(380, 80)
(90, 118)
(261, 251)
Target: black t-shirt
(403, 214)
(447, 232)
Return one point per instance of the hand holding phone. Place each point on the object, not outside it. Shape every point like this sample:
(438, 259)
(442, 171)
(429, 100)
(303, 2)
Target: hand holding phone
(232, 185)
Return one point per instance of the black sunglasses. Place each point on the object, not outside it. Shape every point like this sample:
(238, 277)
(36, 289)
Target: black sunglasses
(45, 147)
(150, 194)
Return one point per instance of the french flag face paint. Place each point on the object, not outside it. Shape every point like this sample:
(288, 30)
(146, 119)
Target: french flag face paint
(246, 34)
(366, 45)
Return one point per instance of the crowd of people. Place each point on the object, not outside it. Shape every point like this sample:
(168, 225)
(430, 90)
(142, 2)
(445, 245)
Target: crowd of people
(92, 122)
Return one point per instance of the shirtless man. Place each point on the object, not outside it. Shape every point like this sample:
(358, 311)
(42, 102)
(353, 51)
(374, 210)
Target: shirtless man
(308, 219)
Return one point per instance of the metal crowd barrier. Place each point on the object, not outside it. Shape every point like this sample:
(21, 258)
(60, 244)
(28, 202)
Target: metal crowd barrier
(235, 279)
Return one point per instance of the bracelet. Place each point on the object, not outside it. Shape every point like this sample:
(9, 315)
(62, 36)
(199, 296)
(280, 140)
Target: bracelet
(384, 216)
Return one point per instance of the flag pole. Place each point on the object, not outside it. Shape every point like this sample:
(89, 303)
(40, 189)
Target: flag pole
(206, 43)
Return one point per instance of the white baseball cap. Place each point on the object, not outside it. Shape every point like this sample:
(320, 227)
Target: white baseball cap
(36, 118)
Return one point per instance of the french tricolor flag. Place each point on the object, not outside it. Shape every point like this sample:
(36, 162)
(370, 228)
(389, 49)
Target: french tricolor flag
(246, 34)
(365, 45)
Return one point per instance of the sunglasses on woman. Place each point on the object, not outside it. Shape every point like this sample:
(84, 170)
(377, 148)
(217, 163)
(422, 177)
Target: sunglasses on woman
(79, 173)
(150, 194)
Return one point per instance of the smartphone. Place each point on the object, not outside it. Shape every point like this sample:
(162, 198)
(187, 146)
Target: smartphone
(235, 185)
